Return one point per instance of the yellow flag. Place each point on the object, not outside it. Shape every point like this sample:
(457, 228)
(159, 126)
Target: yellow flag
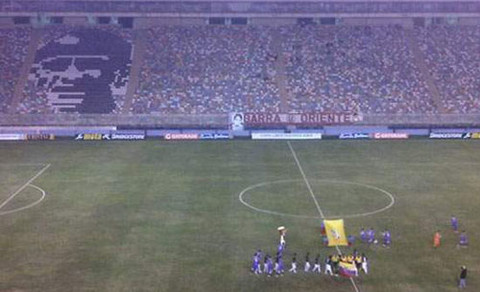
(335, 232)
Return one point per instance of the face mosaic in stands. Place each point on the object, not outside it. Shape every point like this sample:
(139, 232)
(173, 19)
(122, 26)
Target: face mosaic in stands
(82, 71)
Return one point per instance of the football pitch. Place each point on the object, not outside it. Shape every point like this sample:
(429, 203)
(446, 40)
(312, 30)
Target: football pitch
(188, 216)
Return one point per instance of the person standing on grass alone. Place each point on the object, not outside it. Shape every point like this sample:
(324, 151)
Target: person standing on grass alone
(463, 278)
(436, 239)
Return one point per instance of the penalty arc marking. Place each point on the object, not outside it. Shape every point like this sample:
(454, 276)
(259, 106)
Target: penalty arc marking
(29, 205)
(27, 184)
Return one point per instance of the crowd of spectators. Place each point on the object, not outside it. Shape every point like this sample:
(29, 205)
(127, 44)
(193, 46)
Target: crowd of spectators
(359, 69)
(207, 69)
(452, 56)
(220, 69)
(13, 50)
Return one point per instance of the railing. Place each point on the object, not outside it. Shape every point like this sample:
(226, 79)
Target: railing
(217, 120)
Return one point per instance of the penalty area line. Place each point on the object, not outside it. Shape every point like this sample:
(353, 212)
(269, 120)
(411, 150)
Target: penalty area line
(25, 185)
(315, 200)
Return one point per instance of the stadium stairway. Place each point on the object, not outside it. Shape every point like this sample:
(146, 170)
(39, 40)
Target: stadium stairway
(25, 70)
(138, 55)
(422, 66)
(281, 76)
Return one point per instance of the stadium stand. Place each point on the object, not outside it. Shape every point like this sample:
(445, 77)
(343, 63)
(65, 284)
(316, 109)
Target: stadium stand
(13, 49)
(452, 56)
(364, 69)
(213, 69)
(77, 69)
(207, 69)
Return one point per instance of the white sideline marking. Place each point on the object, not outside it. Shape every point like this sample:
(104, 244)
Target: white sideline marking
(24, 186)
(316, 202)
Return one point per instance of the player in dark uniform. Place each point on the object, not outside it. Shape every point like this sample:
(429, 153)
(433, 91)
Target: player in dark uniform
(316, 266)
(307, 263)
(293, 269)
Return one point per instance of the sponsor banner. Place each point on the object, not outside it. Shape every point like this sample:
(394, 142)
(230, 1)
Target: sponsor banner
(92, 137)
(475, 135)
(314, 119)
(450, 135)
(12, 137)
(390, 136)
(127, 137)
(214, 136)
(354, 136)
(286, 136)
(182, 136)
(236, 121)
(40, 137)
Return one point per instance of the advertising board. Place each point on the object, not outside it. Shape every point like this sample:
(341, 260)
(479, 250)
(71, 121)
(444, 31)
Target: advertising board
(182, 136)
(390, 136)
(40, 137)
(12, 137)
(286, 136)
(354, 136)
(450, 135)
(127, 137)
(92, 137)
(214, 136)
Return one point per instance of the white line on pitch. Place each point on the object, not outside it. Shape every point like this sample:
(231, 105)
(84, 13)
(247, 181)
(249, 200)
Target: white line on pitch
(29, 205)
(305, 179)
(315, 200)
(24, 186)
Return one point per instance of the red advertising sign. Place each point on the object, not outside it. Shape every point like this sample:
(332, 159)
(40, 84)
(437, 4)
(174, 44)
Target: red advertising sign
(313, 118)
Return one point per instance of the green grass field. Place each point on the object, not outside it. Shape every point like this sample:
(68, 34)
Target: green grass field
(166, 216)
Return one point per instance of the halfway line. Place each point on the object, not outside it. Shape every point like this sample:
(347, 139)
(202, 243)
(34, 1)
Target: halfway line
(305, 179)
(315, 200)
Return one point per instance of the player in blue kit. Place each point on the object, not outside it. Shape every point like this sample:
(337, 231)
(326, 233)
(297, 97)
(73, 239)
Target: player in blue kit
(454, 223)
(265, 263)
(363, 235)
(278, 265)
(256, 262)
(269, 266)
(371, 235)
(387, 238)
(280, 248)
(463, 242)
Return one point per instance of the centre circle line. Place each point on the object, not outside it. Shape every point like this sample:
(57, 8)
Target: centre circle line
(258, 185)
